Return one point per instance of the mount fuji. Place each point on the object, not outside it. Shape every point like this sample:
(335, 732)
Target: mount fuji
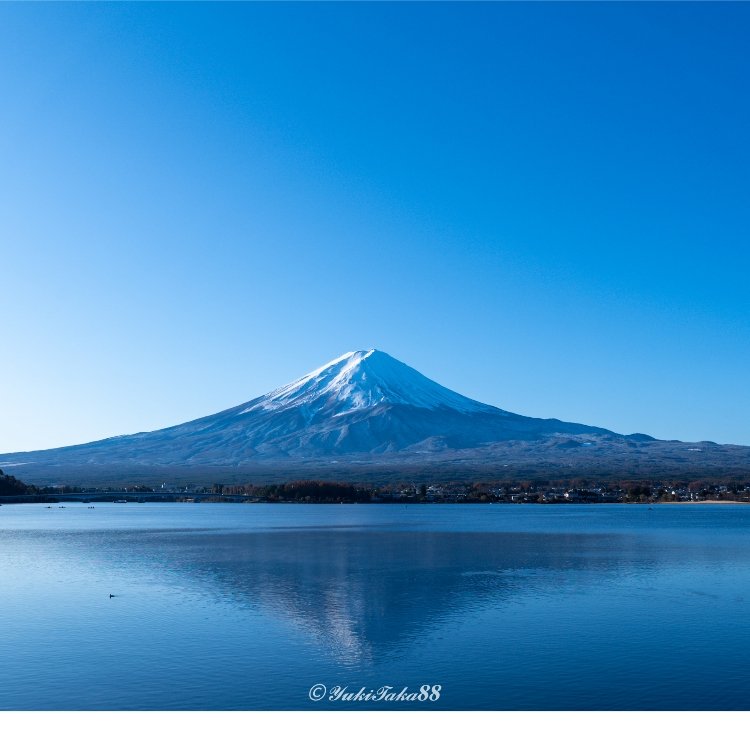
(365, 414)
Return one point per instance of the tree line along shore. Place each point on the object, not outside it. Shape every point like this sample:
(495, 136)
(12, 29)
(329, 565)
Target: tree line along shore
(313, 491)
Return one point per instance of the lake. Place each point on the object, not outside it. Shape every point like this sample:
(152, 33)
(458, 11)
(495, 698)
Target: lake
(487, 607)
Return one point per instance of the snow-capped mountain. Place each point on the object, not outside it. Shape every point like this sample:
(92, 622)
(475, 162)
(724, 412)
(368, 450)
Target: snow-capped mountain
(363, 379)
(362, 408)
(367, 402)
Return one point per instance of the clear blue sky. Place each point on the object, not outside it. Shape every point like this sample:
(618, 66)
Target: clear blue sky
(544, 207)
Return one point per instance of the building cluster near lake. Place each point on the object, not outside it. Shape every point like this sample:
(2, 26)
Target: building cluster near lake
(579, 491)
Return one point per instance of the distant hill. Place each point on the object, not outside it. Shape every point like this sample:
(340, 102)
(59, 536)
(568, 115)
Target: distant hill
(365, 415)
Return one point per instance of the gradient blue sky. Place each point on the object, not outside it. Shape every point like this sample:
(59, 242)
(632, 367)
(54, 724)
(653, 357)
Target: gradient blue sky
(544, 207)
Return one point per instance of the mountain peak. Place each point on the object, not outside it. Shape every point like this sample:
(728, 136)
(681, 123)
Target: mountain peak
(363, 379)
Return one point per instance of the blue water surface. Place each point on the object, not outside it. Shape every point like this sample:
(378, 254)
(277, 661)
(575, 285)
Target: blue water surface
(248, 606)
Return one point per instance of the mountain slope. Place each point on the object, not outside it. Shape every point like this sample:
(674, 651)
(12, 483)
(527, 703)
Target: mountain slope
(363, 407)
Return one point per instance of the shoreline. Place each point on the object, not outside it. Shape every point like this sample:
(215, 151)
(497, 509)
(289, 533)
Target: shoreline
(76, 500)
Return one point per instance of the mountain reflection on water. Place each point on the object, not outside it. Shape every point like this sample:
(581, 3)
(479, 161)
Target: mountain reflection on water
(363, 593)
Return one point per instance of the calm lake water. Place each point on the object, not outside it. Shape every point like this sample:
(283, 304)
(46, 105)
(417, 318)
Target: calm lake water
(249, 606)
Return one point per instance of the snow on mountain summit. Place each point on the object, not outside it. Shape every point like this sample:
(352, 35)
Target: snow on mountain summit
(363, 379)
